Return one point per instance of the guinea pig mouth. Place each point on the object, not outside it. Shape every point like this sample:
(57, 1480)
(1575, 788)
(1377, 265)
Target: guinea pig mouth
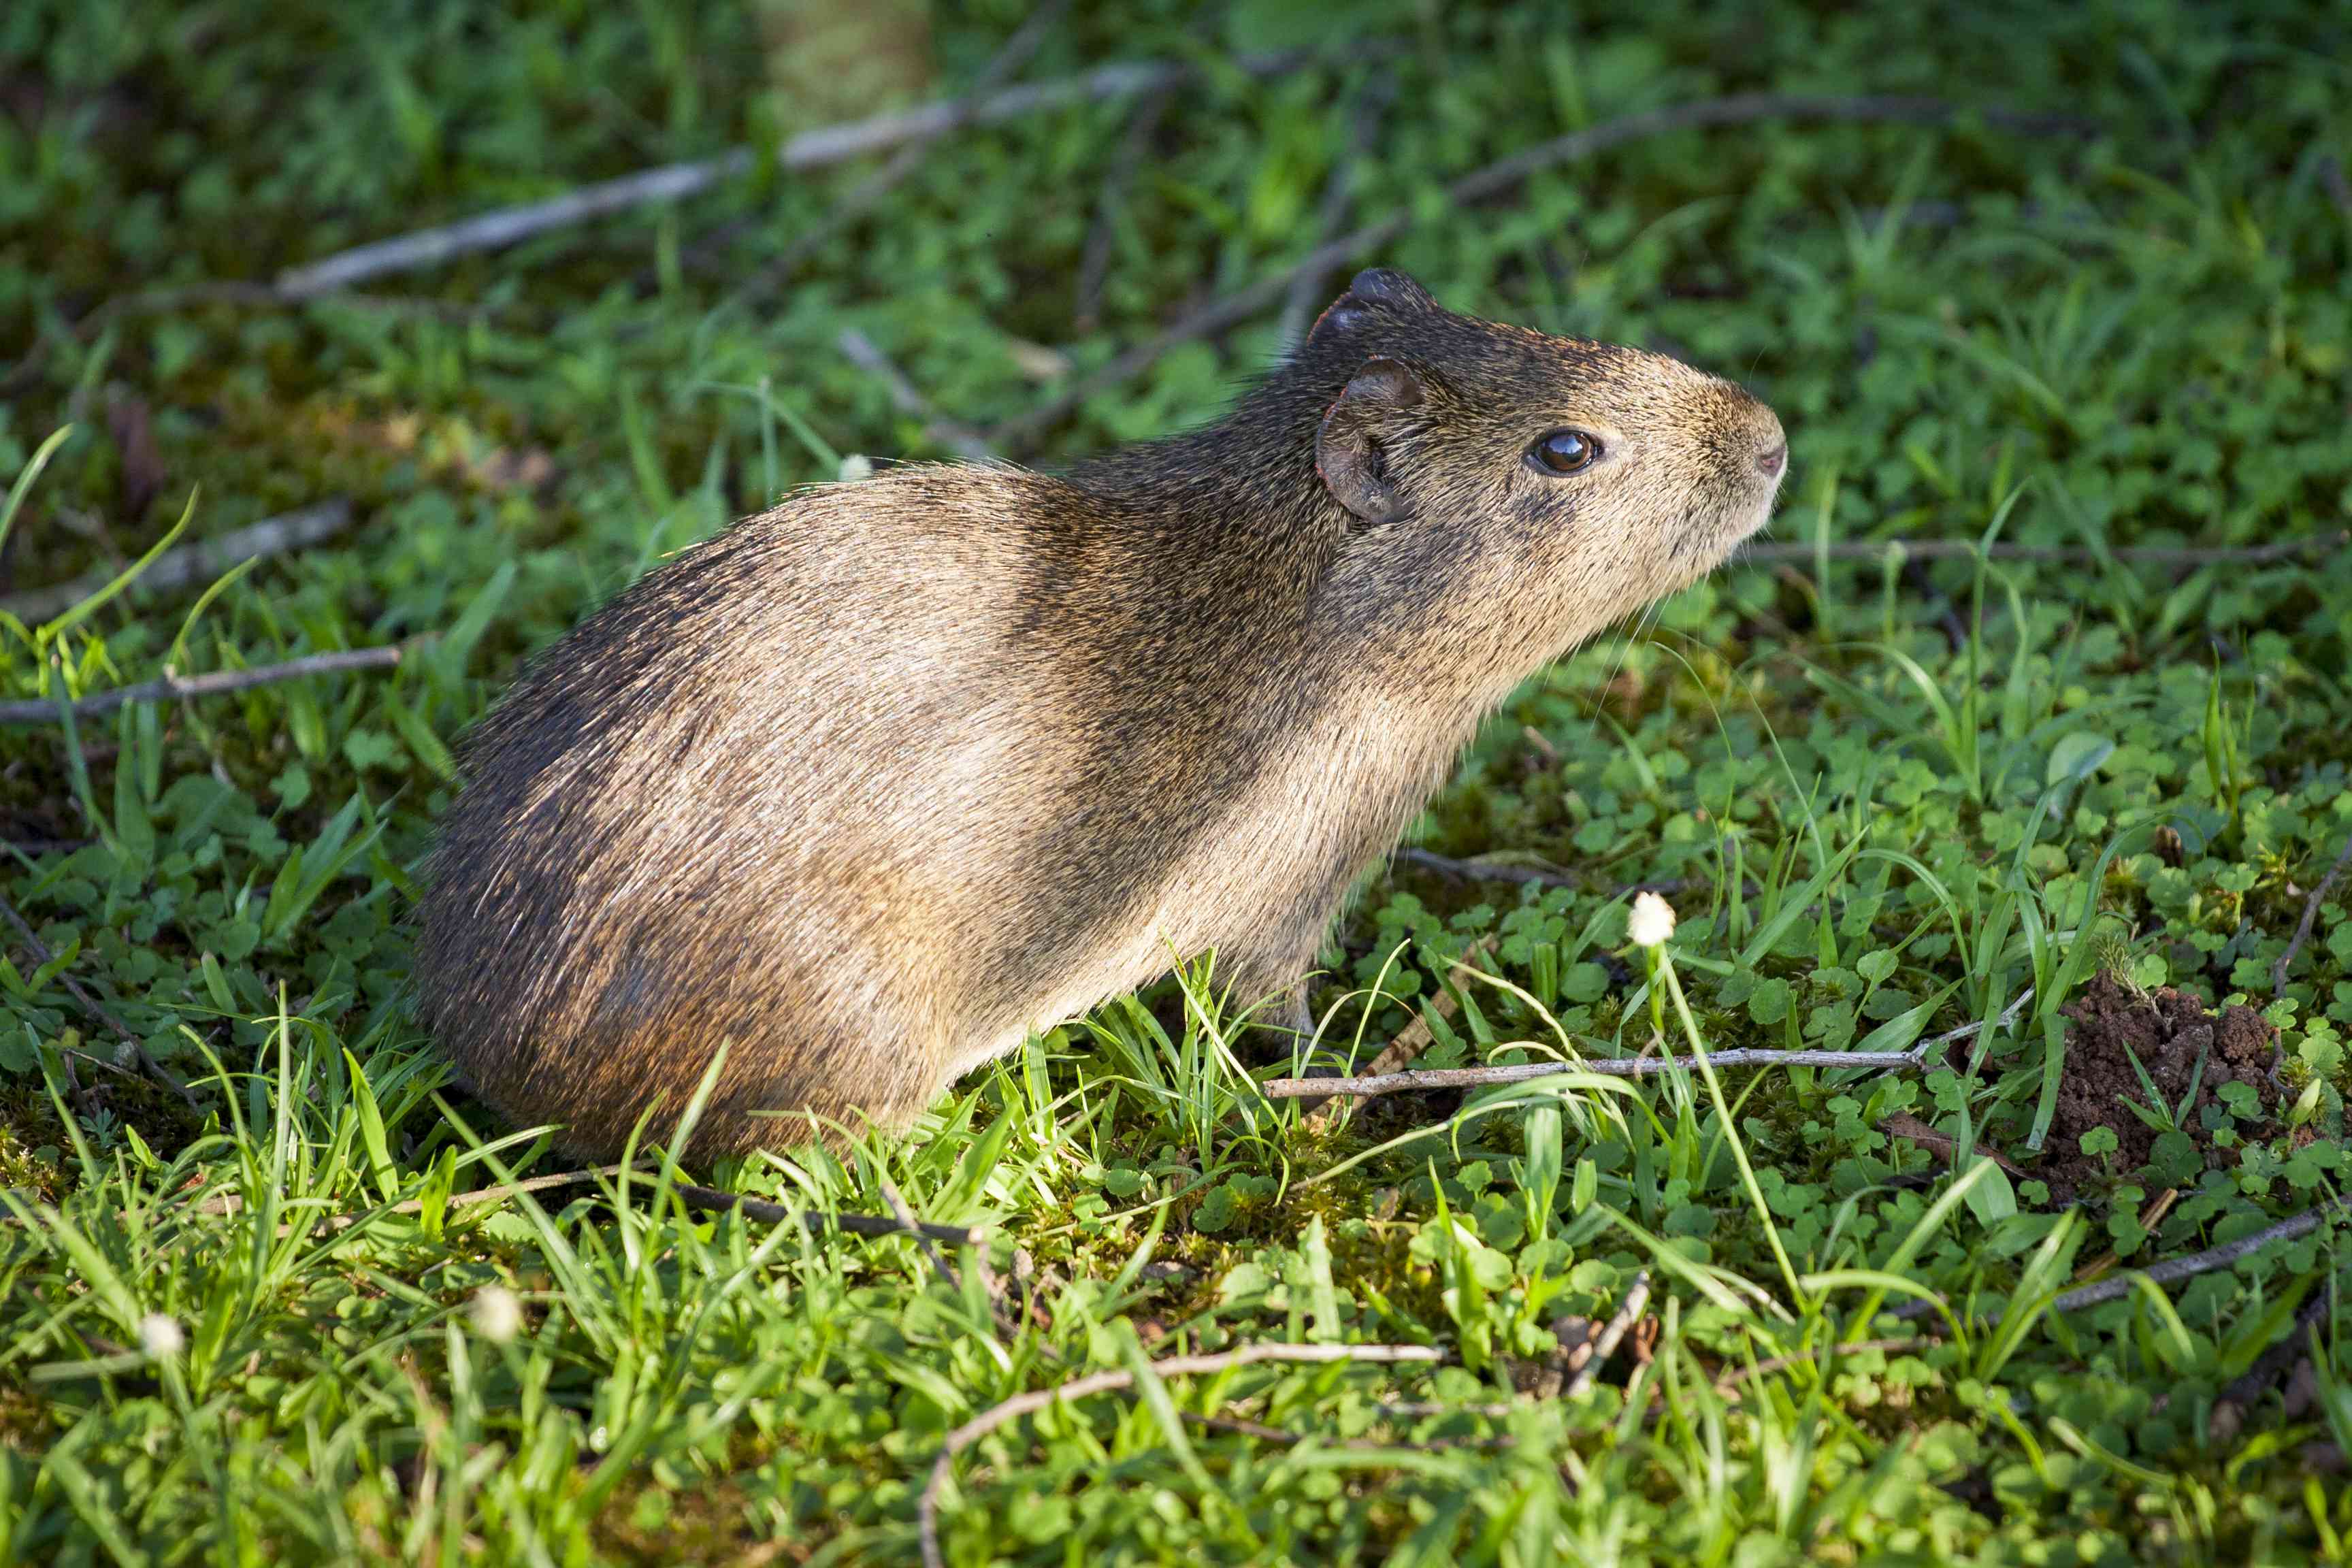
(1709, 534)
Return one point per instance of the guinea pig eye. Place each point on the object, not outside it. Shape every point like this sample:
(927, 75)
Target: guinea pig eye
(1564, 452)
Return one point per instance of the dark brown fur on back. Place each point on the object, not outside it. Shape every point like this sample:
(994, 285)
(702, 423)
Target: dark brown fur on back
(872, 783)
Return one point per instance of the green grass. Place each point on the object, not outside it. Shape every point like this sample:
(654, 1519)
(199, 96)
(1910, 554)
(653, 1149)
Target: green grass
(1890, 797)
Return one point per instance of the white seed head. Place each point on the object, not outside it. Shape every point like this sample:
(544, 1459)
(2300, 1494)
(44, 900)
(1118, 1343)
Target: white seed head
(497, 1315)
(1653, 921)
(855, 466)
(159, 1336)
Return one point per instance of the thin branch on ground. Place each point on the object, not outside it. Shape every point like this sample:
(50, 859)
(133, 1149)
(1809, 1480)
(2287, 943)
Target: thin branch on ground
(1965, 549)
(1970, 1032)
(2275, 1361)
(1629, 1312)
(909, 399)
(1002, 1311)
(819, 148)
(1492, 181)
(2150, 1218)
(1487, 870)
(671, 183)
(712, 1199)
(980, 1426)
(84, 1102)
(1410, 1040)
(1573, 1340)
(40, 710)
(2170, 1272)
(97, 1010)
(867, 193)
(913, 1226)
(101, 1062)
(1912, 1059)
(2310, 913)
(199, 561)
(1305, 298)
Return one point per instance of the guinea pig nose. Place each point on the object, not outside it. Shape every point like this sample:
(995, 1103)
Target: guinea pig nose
(1768, 463)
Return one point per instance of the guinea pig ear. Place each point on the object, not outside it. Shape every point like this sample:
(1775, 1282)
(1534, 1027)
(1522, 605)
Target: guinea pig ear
(1357, 429)
(1386, 285)
(1374, 288)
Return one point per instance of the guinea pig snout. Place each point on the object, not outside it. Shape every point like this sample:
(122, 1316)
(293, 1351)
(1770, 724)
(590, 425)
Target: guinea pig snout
(1760, 446)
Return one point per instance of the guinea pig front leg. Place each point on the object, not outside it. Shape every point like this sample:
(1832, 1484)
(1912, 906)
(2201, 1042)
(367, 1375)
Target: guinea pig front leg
(1286, 1010)
(1272, 978)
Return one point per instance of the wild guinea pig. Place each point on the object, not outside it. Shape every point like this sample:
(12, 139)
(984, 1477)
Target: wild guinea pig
(874, 784)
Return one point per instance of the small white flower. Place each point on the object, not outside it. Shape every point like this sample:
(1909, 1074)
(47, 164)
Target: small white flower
(1653, 921)
(497, 1316)
(159, 1336)
(855, 466)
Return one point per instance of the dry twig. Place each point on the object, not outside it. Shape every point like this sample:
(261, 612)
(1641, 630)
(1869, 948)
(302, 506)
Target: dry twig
(927, 1510)
(2310, 913)
(2275, 1361)
(766, 1212)
(1486, 870)
(1410, 1040)
(2151, 1217)
(199, 561)
(1492, 181)
(2169, 1272)
(815, 148)
(40, 710)
(913, 1226)
(1572, 1338)
(1629, 1311)
(100, 1062)
(1912, 1059)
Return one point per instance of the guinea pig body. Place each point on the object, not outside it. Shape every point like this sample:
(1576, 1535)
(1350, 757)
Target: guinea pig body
(874, 784)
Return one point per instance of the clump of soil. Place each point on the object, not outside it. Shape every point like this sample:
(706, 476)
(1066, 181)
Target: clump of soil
(2168, 1031)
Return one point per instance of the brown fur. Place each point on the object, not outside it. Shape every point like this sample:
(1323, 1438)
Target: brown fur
(874, 782)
